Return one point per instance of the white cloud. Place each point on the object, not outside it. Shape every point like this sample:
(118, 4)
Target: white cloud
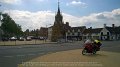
(34, 20)
(95, 20)
(11, 1)
(98, 19)
(77, 3)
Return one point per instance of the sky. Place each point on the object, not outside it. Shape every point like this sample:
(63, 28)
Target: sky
(33, 14)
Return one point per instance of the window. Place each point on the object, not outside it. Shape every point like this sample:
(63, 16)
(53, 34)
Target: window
(73, 34)
(101, 33)
(73, 30)
(78, 30)
(78, 33)
(68, 33)
(68, 30)
(107, 33)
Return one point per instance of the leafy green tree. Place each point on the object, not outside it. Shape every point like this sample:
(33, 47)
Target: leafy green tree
(9, 26)
(27, 32)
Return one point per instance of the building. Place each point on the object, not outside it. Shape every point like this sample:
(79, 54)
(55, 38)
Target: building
(49, 33)
(110, 33)
(43, 32)
(58, 31)
(61, 30)
(75, 33)
(91, 33)
(65, 29)
(105, 33)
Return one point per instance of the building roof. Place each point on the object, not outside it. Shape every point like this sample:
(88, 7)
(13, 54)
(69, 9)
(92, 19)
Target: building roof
(113, 30)
(90, 31)
(66, 27)
(81, 28)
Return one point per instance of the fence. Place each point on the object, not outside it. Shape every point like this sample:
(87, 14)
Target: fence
(23, 42)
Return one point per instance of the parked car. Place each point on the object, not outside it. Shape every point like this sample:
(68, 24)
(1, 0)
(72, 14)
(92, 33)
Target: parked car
(21, 38)
(41, 38)
(13, 39)
(5, 39)
(28, 39)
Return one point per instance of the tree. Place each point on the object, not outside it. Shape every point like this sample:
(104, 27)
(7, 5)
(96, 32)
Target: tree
(37, 31)
(57, 32)
(0, 18)
(9, 26)
(27, 32)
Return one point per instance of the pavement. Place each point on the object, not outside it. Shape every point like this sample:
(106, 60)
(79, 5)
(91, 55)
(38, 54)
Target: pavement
(74, 58)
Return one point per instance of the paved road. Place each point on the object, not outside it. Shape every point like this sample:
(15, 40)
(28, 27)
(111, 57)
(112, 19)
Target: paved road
(112, 46)
(10, 56)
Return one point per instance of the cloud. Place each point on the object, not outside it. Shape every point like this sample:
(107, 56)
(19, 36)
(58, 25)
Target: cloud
(77, 3)
(35, 20)
(32, 20)
(98, 19)
(11, 1)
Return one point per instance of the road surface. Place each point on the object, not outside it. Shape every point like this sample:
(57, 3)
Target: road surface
(11, 56)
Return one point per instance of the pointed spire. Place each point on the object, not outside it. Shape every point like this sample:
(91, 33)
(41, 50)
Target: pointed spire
(58, 7)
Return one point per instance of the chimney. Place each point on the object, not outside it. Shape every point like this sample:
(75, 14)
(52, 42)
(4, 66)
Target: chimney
(67, 23)
(104, 25)
(113, 25)
(90, 28)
